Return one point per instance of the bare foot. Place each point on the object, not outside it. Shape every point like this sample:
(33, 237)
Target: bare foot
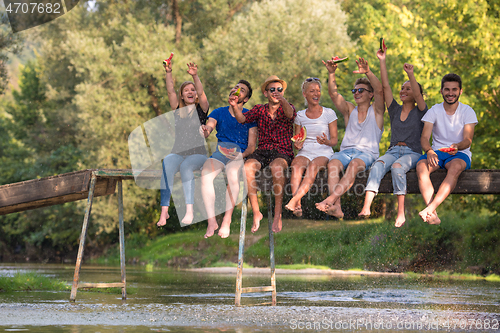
(256, 221)
(433, 218)
(297, 211)
(323, 205)
(365, 212)
(290, 207)
(400, 220)
(225, 227)
(424, 215)
(163, 216)
(277, 223)
(188, 218)
(212, 226)
(335, 210)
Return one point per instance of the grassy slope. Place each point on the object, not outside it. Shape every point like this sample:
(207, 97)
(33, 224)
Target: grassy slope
(460, 244)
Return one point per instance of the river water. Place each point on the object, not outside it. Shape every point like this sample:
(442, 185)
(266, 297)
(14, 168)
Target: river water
(164, 300)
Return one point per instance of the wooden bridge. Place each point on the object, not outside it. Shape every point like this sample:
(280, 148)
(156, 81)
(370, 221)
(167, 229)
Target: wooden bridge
(91, 183)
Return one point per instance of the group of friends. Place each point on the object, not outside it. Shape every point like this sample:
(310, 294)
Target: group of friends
(451, 124)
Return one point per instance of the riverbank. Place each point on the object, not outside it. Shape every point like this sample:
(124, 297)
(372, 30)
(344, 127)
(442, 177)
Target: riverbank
(463, 245)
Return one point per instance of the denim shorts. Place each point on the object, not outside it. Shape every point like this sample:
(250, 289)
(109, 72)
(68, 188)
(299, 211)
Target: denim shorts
(444, 158)
(347, 155)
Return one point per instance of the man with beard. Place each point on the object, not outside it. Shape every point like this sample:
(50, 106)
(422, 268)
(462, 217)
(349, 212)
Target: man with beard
(275, 125)
(235, 142)
(451, 124)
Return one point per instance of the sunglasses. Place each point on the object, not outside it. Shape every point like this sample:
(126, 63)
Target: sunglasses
(280, 89)
(360, 90)
(311, 79)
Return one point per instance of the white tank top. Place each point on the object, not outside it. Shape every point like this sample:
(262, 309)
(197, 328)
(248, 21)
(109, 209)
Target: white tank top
(363, 136)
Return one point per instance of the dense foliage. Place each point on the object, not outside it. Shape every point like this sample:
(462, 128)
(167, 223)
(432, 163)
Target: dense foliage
(98, 75)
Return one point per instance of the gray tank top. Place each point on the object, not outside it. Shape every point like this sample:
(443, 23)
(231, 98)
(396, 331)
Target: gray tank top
(408, 131)
(363, 136)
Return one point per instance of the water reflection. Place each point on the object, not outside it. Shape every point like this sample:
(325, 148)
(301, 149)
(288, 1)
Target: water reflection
(153, 292)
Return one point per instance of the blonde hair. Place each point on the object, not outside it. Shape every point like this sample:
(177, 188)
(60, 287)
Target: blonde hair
(306, 84)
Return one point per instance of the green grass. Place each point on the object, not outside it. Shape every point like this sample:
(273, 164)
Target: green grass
(229, 264)
(31, 282)
(464, 243)
(302, 266)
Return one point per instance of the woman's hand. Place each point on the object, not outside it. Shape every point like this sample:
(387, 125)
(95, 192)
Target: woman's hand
(192, 69)
(408, 68)
(323, 140)
(168, 68)
(298, 145)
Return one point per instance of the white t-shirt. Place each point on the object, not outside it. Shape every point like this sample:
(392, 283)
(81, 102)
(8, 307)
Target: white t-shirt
(316, 127)
(447, 129)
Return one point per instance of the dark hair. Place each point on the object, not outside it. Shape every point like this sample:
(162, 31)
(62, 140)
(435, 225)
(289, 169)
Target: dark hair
(452, 77)
(419, 85)
(365, 81)
(246, 83)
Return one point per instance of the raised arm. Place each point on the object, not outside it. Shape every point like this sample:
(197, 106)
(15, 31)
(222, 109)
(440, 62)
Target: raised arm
(388, 96)
(338, 100)
(252, 141)
(169, 80)
(238, 114)
(378, 92)
(415, 87)
(202, 98)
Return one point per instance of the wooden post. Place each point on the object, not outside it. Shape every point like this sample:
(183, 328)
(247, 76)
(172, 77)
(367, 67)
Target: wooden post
(122, 238)
(239, 272)
(83, 235)
(271, 249)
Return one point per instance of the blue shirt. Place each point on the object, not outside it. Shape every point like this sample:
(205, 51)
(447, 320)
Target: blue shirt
(229, 130)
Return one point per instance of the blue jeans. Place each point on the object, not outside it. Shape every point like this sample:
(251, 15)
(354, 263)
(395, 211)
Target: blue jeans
(347, 155)
(174, 163)
(403, 155)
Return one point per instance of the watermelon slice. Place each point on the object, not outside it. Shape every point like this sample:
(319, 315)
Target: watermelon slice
(237, 93)
(227, 151)
(447, 149)
(337, 60)
(382, 45)
(301, 136)
(167, 61)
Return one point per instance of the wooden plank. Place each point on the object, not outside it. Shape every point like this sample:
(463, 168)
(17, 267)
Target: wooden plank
(256, 289)
(479, 181)
(101, 285)
(55, 191)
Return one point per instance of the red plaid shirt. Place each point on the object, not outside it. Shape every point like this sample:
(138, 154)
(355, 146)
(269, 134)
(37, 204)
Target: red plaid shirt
(273, 133)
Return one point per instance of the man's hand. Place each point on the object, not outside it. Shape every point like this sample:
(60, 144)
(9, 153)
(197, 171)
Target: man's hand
(279, 96)
(363, 67)
(432, 158)
(205, 131)
(408, 68)
(233, 101)
(192, 69)
(235, 156)
(330, 65)
(455, 147)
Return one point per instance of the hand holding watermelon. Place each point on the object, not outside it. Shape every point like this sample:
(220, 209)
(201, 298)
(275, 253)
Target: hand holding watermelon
(167, 63)
(452, 150)
(231, 153)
